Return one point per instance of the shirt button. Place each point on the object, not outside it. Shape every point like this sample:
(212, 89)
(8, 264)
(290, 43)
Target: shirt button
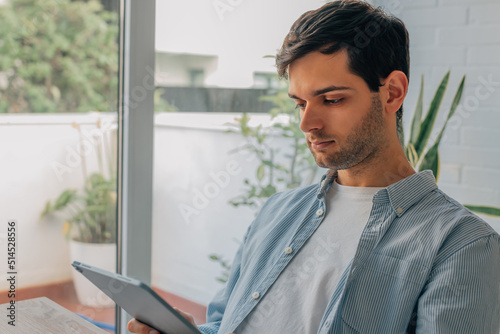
(399, 210)
(255, 295)
(319, 212)
(322, 183)
(288, 250)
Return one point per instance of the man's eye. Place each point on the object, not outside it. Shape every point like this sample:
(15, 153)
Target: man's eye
(300, 106)
(334, 101)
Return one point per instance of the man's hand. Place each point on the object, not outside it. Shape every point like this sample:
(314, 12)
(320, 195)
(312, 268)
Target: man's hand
(135, 326)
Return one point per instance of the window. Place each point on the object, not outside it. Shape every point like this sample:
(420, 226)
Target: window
(58, 125)
(200, 168)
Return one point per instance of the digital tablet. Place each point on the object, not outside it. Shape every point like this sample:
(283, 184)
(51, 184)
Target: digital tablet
(138, 300)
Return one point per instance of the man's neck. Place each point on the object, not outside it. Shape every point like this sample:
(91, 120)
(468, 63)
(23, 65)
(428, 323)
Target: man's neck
(386, 168)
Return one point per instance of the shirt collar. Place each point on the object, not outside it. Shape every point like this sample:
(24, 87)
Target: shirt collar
(405, 193)
(326, 183)
(401, 195)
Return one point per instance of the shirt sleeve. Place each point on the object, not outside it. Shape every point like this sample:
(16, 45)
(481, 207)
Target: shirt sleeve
(216, 308)
(462, 294)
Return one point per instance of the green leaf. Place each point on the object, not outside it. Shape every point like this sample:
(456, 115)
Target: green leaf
(417, 115)
(411, 154)
(267, 163)
(66, 197)
(431, 160)
(260, 172)
(453, 108)
(487, 210)
(46, 210)
(430, 118)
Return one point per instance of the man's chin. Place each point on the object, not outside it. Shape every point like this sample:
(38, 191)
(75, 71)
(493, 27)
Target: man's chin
(321, 162)
(329, 163)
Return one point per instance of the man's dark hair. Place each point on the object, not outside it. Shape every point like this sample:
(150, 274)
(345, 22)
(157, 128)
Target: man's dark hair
(376, 43)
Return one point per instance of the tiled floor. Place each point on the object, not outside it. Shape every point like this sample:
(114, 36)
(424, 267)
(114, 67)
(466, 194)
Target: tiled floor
(64, 294)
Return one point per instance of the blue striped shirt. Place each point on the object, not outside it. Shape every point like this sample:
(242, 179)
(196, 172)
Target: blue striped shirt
(424, 263)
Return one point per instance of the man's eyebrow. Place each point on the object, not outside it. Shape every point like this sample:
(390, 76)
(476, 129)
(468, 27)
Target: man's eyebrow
(323, 91)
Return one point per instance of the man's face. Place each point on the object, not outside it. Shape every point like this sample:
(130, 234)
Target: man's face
(343, 121)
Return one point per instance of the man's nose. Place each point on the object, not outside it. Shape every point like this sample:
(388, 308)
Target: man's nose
(310, 119)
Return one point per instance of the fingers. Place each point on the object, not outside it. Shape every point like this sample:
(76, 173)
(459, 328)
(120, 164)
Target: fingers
(135, 326)
(186, 315)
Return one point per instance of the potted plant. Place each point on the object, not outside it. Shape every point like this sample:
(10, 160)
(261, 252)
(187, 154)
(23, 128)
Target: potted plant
(90, 214)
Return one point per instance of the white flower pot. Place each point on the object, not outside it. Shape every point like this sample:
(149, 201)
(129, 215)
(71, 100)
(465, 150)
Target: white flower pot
(98, 255)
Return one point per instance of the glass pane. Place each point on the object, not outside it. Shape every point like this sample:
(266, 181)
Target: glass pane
(58, 135)
(219, 155)
(213, 76)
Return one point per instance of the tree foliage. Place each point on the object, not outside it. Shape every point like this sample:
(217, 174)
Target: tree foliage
(58, 56)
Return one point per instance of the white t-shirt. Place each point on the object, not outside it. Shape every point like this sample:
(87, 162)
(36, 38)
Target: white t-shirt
(295, 303)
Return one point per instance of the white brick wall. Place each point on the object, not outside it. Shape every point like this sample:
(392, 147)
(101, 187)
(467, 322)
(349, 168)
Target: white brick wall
(484, 13)
(470, 35)
(439, 55)
(447, 3)
(482, 177)
(434, 16)
(484, 55)
(425, 37)
(414, 4)
(470, 156)
(477, 137)
(462, 36)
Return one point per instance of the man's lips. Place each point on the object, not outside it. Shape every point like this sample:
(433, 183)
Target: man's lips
(319, 144)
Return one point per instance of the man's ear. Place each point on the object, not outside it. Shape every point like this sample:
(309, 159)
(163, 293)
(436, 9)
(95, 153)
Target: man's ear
(394, 89)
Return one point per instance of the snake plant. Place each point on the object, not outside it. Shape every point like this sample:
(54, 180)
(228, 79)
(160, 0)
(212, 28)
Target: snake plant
(421, 130)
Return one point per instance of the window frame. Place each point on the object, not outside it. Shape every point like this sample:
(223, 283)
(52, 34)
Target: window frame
(135, 144)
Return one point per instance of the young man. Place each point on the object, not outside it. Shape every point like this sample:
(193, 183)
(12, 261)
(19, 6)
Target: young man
(375, 247)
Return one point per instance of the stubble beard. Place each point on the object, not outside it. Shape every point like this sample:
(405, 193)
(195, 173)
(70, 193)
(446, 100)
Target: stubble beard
(361, 145)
